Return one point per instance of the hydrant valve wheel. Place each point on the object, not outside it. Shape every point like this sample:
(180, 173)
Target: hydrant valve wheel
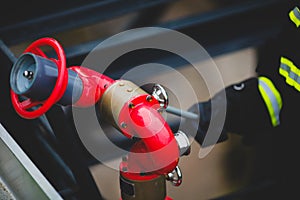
(22, 107)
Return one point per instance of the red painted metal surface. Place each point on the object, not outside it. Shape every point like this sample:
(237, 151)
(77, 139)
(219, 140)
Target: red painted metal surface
(156, 153)
(94, 85)
(60, 85)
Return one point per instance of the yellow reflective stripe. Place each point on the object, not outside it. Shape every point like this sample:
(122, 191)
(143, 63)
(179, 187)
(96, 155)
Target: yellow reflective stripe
(295, 16)
(268, 104)
(273, 89)
(272, 99)
(290, 72)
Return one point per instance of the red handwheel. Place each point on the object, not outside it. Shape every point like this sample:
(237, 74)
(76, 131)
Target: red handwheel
(60, 85)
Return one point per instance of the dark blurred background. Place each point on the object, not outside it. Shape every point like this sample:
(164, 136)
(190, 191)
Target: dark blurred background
(229, 30)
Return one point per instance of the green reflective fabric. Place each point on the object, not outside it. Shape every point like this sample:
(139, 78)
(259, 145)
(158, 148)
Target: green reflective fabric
(295, 16)
(291, 73)
(272, 99)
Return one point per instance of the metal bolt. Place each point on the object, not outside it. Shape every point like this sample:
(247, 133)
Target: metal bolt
(121, 84)
(131, 105)
(149, 98)
(160, 110)
(129, 89)
(123, 125)
(28, 74)
(124, 159)
(143, 173)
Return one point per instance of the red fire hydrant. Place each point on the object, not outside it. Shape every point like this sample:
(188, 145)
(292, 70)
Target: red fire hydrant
(152, 160)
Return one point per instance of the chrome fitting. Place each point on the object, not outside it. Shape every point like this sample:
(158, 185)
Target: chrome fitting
(183, 143)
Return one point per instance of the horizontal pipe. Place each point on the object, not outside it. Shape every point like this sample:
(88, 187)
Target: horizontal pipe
(181, 113)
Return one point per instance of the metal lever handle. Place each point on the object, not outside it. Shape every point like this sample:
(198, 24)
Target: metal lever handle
(175, 177)
(160, 94)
